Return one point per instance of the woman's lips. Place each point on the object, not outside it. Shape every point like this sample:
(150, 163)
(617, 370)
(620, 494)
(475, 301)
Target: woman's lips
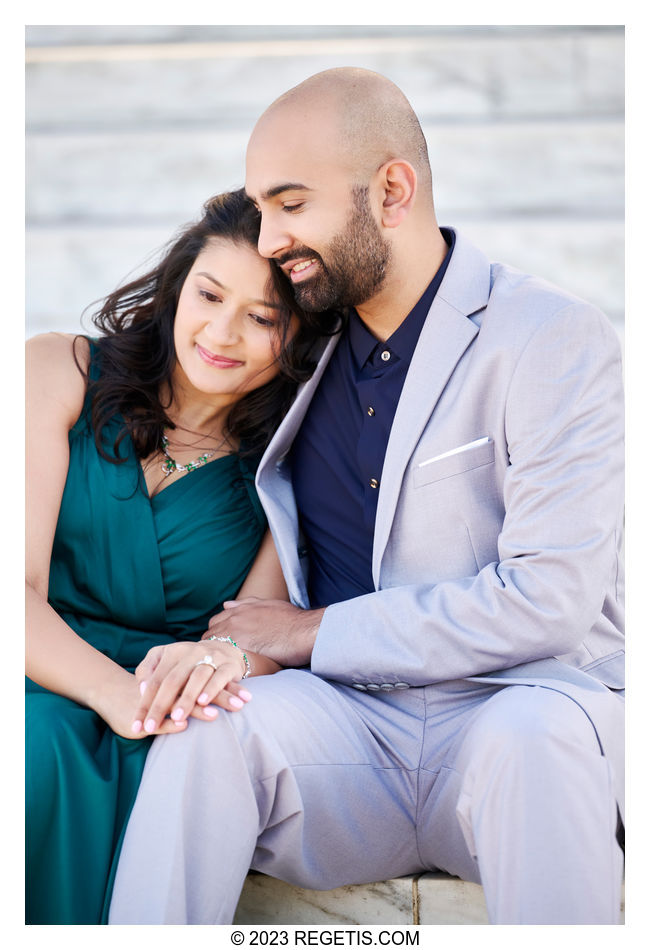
(214, 359)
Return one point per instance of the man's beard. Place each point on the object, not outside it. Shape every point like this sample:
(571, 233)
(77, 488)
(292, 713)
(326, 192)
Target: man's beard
(357, 263)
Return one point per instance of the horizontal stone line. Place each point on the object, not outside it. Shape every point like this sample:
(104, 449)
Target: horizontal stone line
(238, 119)
(234, 49)
(539, 215)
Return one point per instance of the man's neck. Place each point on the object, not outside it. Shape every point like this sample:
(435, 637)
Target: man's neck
(409, 277)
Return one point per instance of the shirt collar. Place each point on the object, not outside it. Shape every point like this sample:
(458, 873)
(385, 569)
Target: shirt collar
(404, 340)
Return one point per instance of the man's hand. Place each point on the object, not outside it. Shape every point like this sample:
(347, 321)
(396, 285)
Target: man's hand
(273, 628)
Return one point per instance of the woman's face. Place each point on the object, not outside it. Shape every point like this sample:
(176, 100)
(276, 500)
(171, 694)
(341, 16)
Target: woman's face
(226, 327)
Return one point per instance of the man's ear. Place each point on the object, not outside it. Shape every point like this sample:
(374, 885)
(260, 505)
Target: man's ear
(398, 181)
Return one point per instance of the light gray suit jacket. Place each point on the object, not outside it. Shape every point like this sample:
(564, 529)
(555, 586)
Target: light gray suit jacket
(498, 535)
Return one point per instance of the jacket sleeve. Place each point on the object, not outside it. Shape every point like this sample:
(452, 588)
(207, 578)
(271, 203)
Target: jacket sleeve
(557, 550)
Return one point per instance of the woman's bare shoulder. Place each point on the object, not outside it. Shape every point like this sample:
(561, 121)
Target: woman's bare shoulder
(56, 364)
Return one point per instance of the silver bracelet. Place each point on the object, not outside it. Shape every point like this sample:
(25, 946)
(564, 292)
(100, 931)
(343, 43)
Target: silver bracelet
(230, 640)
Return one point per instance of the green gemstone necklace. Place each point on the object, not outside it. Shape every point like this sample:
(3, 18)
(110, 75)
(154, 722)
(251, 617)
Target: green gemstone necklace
(171, 465)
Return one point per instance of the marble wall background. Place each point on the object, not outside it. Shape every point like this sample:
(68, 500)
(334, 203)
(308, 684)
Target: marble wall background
(131, 128)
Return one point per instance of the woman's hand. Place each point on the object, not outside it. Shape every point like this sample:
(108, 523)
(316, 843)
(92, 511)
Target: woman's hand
(173, 681)
(116, 701)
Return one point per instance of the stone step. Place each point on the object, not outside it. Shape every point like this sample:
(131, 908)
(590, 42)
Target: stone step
(540, 168)
(454, 73)
(70, 267)
(416, 899)
(434, 898)
(131, 128)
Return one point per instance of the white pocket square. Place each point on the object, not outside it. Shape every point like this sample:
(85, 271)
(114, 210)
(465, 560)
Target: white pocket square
(461, 448)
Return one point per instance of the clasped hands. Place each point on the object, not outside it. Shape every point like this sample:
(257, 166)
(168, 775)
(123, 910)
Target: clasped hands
(174, 683)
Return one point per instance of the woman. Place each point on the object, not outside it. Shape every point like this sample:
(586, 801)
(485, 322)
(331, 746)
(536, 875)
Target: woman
(142, 520)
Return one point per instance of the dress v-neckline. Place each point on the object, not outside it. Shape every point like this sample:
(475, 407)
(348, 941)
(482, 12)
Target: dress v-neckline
(153, 499)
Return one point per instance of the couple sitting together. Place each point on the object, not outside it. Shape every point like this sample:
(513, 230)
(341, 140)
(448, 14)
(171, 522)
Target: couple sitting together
(324, 555)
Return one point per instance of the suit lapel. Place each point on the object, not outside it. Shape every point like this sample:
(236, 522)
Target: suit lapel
(445, 336)
(288, 428)
(274, 485)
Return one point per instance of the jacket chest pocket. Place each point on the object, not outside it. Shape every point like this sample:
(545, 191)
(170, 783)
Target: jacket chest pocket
(454, 462)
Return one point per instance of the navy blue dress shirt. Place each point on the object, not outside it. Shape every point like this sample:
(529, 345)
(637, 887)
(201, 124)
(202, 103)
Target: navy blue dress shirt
(338, 454)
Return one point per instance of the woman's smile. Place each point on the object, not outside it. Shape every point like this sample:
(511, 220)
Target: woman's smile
(217, 360)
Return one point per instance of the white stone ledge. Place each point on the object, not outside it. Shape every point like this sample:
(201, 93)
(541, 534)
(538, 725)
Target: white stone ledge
(531, 168)
(434, 898)
(475, 72)
(68, 268)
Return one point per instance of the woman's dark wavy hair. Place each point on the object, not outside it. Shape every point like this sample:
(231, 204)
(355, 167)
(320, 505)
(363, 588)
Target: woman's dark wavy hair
(137, 352)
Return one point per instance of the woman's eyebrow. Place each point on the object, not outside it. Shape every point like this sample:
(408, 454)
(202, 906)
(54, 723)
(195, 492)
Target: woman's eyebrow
(217, 283)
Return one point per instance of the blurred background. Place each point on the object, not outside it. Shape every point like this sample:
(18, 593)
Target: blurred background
(131, 128)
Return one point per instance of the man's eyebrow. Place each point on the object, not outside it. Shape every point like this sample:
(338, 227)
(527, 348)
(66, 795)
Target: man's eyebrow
(276, 190)
(217, 283)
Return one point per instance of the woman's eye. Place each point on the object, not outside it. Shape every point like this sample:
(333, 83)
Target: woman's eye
(261, 321)
(209, 296)
(290, 208)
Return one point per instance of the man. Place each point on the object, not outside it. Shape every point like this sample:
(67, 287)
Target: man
(451, 479)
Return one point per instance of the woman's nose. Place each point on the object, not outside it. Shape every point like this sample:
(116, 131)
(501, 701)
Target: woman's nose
(223, 328)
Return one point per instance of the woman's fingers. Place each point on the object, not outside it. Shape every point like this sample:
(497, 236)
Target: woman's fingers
(212, 691)
(149, 663)
(179, 686)
(232, 696)
(160, 699)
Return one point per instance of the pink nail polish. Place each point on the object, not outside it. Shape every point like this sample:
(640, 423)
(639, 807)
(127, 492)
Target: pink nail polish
(203, 698)
(150, 725)
(211, 711)
(245, 695)
(177, 714)
(136, 726)
(143, 687)
(234, 701)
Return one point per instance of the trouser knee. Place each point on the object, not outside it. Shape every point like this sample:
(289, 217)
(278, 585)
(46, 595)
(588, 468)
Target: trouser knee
(526, 723)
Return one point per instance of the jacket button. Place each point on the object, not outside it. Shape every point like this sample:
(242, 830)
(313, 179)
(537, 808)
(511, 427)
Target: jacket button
(402, 686)
(373, 686)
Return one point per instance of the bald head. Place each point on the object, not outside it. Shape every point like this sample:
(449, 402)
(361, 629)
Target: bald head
(339, 170)
(369, 120)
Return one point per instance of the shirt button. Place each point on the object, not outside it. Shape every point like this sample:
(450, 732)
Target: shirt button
(374, 483)
(371, 411)
(385, 356)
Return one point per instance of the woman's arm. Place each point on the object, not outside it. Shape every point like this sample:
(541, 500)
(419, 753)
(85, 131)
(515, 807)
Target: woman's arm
(172, 683)
(56, 657)
(265, 579)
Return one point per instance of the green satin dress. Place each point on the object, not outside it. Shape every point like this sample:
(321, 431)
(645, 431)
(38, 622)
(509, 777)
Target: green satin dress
(128, 572)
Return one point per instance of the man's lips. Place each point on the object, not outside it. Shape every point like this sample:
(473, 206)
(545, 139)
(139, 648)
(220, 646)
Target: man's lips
(214, 359)
(300, 270)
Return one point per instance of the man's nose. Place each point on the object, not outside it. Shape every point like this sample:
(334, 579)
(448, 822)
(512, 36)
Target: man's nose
(273, 239)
